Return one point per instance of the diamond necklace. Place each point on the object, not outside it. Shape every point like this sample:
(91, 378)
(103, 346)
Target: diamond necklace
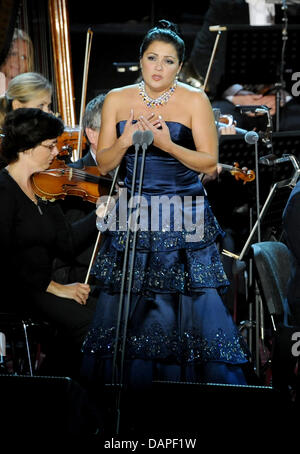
(162, 99)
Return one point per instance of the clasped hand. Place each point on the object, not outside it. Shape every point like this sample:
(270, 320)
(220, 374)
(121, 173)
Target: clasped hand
(154, 123)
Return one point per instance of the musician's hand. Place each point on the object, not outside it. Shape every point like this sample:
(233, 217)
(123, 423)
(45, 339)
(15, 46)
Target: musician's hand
(76, 291)
(255, 100)
(230, 130)
(269, 101)
(207, 178)
(248, 100)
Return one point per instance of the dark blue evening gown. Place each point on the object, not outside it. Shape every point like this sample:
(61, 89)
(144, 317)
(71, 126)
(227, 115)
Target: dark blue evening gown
(178, 329)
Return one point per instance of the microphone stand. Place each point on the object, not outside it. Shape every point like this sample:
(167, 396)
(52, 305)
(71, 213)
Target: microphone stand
(281, 85)
(145, 139)
(252, 138)
(136, 139)
(145, 143)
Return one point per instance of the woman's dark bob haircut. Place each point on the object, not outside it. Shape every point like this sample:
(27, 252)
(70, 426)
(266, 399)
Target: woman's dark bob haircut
(26, 128)
(167, 32)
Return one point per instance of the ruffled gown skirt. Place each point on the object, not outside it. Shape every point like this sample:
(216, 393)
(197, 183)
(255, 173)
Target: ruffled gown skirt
(177, 328)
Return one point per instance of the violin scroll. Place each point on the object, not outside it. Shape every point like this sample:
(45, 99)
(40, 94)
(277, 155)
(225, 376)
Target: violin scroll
(242, 174)
(239, 174)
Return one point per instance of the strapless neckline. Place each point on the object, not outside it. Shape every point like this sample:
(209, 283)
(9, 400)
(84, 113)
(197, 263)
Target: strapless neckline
(167, 122)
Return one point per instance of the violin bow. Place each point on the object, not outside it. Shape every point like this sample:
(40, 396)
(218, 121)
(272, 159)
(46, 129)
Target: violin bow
(95, 250)
(219, 29)
(84, 88)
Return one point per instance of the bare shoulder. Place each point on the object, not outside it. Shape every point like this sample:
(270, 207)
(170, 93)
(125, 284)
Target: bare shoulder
(119, 102)
(194, 96)
(118, 94)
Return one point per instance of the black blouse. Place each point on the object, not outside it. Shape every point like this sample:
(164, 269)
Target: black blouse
(31, 236)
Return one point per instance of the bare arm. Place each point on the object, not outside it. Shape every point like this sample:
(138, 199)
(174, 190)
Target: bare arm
(111, 149)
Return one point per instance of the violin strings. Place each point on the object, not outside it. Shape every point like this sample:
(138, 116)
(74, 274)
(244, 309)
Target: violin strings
(83, 176)
(80, 175)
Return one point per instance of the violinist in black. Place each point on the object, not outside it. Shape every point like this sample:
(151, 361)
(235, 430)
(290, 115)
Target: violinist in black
(76, 208)
(33, 231)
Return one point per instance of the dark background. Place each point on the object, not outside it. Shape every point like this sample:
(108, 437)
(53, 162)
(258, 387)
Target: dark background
(117, 33)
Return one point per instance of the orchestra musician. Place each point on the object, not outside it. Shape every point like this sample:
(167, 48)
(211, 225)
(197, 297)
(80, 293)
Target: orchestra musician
(20, 59)
(34, 231)
(34, 90)
(253, 12)
(75, 208)
(29, 89)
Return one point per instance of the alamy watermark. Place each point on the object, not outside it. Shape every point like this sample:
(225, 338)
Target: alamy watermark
(296, 86)
(296, 345)
(157, 213)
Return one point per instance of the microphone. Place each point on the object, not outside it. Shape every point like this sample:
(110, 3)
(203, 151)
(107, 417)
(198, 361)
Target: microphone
(259, 110)
(271, 159)
(137, 138)
(267, 160)
(251, 137)
(147, 139)
(252, 109)
(240, 131)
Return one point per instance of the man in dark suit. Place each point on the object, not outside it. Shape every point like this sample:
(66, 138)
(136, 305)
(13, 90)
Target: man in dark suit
(226, 98)
(91, 126)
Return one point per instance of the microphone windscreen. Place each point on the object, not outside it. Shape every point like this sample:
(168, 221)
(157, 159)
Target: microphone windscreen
(2, 344)
(268, 159)
(251, 137)
(148, 137)
(137, 137)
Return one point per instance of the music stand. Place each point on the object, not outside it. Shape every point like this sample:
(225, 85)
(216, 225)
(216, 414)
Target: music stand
(253, 55)
(283, 176)
(274, 178)
(274, 206)
(275, 214)
(233, 148)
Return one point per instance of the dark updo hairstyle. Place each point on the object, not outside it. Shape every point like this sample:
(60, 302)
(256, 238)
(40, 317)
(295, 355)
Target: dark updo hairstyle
(26, 128)
(167, 32)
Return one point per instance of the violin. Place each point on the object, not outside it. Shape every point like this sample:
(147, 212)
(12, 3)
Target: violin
(239, 174)
(60, 180)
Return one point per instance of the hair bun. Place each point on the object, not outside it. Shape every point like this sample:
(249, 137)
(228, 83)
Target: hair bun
(163, 23)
